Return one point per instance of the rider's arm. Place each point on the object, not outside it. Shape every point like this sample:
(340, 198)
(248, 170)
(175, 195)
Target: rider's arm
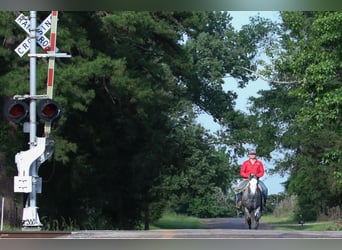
(243, 170)
(261, 170)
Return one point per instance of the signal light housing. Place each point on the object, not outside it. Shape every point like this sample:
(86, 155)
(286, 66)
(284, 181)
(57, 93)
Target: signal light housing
(16, 111)
(49, 110)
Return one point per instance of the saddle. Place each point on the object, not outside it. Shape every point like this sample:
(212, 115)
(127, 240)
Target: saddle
(237, 189)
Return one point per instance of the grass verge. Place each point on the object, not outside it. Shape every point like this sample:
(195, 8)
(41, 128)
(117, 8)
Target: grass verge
(284, 219)
(314, 226)
(288, 222)
(176, 221)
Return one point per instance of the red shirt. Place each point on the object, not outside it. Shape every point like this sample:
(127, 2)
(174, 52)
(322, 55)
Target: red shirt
(249, 168)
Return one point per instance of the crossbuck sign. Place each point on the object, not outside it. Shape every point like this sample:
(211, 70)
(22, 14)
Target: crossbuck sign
(24, 22)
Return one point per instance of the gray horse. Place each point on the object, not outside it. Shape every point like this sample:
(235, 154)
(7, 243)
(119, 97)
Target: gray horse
(252, 202)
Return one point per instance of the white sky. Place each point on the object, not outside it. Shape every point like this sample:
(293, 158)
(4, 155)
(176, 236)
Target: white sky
(240, 18)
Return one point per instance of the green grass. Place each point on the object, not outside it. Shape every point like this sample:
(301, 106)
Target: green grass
(10, 228)
(288, 222)
(176, 221)
(284, 219)
(314, 226)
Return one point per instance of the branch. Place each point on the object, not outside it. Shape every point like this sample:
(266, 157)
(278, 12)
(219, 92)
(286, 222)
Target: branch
(108, 92)
(269, 80)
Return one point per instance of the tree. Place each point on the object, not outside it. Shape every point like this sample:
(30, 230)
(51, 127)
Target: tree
(303, 111)
(197, 189)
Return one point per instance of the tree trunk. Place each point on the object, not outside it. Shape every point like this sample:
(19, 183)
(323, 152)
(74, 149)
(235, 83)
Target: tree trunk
(146, 218)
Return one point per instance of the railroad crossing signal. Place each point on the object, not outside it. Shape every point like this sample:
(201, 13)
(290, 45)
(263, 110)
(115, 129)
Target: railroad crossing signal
(24, 22)
(41, 148)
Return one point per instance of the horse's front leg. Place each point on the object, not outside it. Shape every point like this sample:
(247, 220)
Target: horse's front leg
(257, 216)
(248, 218)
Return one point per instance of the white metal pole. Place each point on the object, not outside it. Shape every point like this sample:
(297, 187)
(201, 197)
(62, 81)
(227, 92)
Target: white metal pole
(33, 59)
(33, 117)
(2, 213)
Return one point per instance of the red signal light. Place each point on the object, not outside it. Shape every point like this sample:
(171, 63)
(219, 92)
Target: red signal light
(49, 110)
(16, 111)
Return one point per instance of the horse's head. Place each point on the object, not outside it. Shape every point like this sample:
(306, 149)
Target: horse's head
(253, 176)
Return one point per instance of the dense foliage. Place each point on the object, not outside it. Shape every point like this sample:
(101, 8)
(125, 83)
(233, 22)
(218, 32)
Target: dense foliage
(128, 143)
(301, 115)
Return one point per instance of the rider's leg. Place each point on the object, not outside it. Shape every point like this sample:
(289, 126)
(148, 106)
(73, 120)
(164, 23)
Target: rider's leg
(238, 200)
(264, 191)
(239, 194)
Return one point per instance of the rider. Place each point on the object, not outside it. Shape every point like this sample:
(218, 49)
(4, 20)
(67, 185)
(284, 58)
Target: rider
(251, 166)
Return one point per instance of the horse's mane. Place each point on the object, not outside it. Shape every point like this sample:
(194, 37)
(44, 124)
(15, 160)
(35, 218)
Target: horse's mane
(253, 185)
(252, 191)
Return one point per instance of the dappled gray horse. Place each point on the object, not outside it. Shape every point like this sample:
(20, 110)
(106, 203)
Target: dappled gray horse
(251, 202)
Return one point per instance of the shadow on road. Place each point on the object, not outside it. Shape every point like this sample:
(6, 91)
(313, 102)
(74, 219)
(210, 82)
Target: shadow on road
(230, 223)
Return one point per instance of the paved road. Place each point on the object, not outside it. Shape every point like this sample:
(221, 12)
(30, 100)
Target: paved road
(231, 223)
(223, 228)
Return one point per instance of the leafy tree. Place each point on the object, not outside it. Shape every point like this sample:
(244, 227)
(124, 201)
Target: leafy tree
(207, 172)
(302, 108)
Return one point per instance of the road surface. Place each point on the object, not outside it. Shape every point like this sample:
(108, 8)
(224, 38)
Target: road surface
(231, 223)
(223, 228)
